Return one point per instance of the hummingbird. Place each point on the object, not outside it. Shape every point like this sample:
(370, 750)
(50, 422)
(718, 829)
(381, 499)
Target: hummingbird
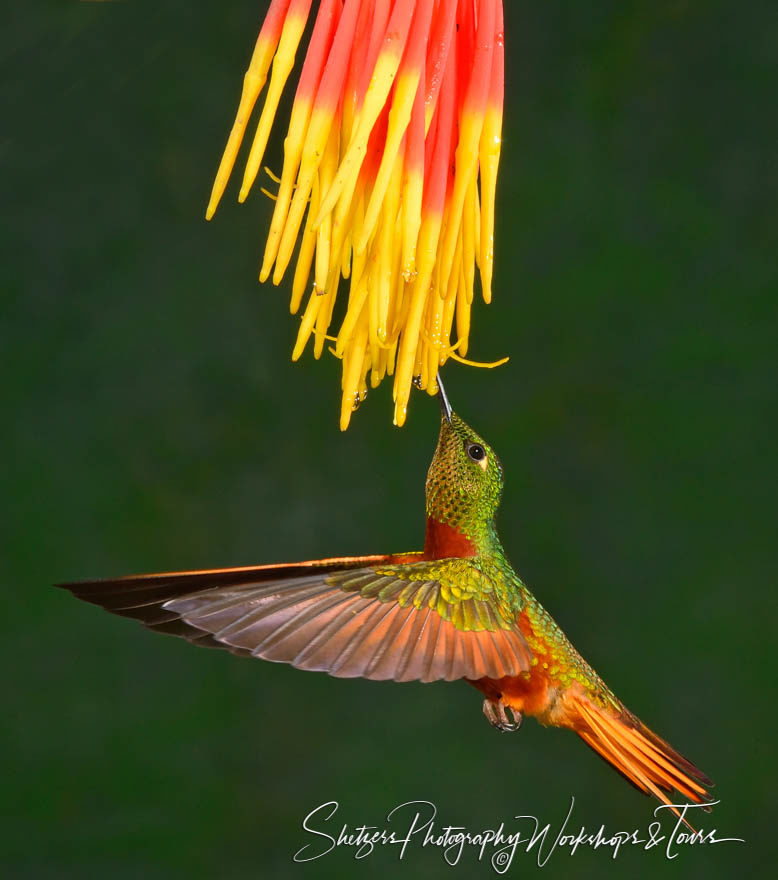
(454, 610)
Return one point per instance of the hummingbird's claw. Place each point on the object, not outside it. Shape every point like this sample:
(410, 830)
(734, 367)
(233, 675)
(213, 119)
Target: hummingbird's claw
(497, 715)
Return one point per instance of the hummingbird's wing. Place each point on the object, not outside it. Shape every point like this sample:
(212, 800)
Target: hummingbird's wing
(374, 617)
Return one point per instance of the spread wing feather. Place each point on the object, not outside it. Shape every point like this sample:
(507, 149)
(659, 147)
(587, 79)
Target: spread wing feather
(346, 616)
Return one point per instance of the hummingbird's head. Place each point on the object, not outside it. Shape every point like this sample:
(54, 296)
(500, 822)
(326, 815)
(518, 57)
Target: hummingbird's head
(465, 479)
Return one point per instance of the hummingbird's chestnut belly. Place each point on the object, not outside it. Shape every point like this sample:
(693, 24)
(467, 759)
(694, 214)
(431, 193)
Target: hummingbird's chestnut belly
(527, 693)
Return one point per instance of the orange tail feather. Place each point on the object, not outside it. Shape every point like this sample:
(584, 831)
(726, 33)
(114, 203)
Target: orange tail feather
(643, 758)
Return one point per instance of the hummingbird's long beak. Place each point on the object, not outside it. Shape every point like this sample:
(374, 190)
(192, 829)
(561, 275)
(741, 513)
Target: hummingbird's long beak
(445, 406)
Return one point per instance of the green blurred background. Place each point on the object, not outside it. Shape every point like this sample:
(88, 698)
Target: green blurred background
(152, 420)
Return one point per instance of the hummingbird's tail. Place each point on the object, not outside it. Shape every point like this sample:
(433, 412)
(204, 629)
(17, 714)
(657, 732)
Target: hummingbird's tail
(644, 759)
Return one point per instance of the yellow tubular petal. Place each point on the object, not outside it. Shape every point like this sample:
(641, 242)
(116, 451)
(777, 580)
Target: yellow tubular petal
(305, 258)
(358, 263)
(323, 320)
(477, 227)
(366, 363)
(323, 241)
(490, 160)
(310, 77)
(253, 83)
(426, 256)
(384, 285)
(282, 67)
(322, 255)
(379, 369)
(466, 170)
(352, 371)
(391, 358)
(449, 310)
(353, 208)
(434, 341)
(350, 196)
(395, 279)
(413, 191)
(345, 257)
(420, 374)
(372, 301)
(357, 298)
(469, 240)
(431, 367)
(457, 275)
(307, 324)
(402, 303)
(380, 84)
(399, 117)
(313, 151)
(340, 251)
(463, 322)
(293, 148)
(388, 241)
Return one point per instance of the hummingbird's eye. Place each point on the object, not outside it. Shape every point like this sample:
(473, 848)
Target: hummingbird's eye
(476, 452)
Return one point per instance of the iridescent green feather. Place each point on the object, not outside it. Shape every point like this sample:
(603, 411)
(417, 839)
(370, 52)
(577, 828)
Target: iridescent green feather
(470, 593)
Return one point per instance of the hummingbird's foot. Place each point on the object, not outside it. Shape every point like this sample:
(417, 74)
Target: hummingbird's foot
(497, 715)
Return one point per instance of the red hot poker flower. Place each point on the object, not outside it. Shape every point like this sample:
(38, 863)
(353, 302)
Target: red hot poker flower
(388, 180)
